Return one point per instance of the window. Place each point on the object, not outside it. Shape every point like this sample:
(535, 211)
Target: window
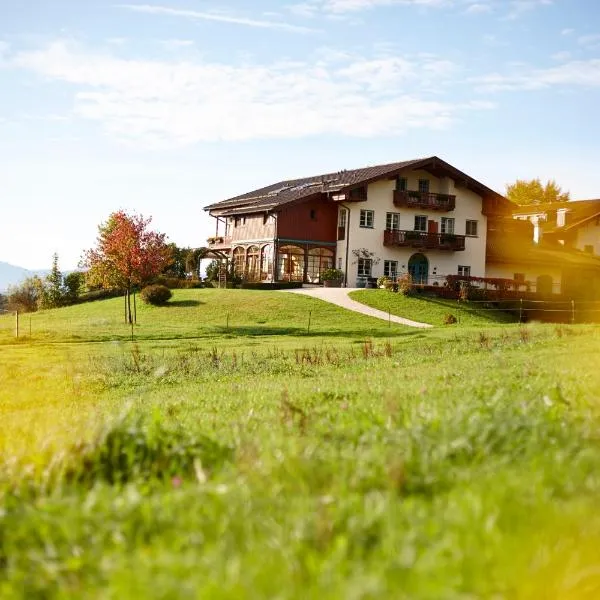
(588, 248)
(471, 228)
(401, 184)
(420, 223)
(341, 225)
(364, 267)
(313, 214)
(447, 225)
(390, 268)
(519, 277)
(265, 218)
(424, 186)
(464, 270)
(392, 221)
(367, 218)
(236, 221)
(358, 194)
(340, 263)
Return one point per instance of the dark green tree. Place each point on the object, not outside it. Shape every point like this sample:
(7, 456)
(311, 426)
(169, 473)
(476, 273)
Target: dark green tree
(533, 192)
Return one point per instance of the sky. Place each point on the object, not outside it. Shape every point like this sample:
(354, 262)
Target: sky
(162, 108)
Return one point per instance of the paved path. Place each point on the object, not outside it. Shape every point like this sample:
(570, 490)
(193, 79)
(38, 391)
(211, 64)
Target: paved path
(339, 296)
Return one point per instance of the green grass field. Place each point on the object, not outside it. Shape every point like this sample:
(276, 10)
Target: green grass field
(262, 460)
(431, 310)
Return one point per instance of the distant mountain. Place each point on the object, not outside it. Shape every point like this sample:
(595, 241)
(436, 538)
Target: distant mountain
(11, 275)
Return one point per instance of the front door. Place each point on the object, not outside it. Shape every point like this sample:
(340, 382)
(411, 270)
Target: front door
(418, 268)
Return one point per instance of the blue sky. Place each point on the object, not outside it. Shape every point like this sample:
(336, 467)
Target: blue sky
(164, 108)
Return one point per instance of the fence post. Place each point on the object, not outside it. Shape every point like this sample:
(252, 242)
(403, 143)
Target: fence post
(17, 324)
(521, 310)
(572, 311)
(309, 319)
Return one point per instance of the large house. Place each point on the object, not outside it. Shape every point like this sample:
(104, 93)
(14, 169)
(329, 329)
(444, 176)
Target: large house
(574, 224)
(422, 216)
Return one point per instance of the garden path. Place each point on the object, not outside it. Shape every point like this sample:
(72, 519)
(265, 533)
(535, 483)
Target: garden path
(339, 296)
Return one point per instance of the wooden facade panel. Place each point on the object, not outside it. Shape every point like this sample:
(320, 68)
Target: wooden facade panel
(250, 227)
(314, 220)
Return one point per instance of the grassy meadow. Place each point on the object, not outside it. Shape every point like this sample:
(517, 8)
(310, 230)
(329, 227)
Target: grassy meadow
(231, 452)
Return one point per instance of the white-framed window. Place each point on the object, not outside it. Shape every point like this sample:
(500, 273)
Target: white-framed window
(447, 225)
(424, 186)
(342, 216)
(401, 184)
(420, 223)
(367, 218)
(365, 266)
(392, 221)
(471, 228)
(390, 268)
(464, 270)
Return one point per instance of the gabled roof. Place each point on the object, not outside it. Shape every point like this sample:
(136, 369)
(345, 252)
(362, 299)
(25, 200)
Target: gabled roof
(579, 211)
(284, 192)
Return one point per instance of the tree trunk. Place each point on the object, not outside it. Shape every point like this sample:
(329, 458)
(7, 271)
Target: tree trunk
(125, 305)
(129, 305)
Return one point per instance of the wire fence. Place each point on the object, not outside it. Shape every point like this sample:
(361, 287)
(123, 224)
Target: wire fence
(56, 326)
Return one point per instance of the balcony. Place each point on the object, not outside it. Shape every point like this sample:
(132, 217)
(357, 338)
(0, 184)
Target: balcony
(219, 242)
(426, 200)
(424, 240)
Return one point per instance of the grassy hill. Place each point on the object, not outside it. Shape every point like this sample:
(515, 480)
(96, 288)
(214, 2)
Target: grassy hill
(262, 461)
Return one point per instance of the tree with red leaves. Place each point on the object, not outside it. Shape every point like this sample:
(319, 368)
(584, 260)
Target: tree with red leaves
(127, 254)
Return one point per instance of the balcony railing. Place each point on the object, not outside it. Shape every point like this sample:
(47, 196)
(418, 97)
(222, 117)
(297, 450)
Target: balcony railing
(220, 241)
(422, 239)
(427, 200)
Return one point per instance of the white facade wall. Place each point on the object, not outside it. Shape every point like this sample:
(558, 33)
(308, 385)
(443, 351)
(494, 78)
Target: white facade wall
(589, 235)
(380, 199)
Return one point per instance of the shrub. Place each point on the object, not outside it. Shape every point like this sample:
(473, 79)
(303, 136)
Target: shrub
(101, 294)
(384, 281)
(405, 284)
(279, 285)
(332, 275)
(450, 319)
(156, 295)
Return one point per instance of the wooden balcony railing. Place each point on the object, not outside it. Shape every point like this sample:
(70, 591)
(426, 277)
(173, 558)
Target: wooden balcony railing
(427, 200)
(219, 242)
(422, 239)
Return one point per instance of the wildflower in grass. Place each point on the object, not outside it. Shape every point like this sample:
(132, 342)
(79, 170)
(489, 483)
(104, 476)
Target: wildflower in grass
(176, 482)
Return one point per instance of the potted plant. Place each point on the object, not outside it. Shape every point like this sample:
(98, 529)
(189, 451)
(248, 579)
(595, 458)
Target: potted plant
(332, 277)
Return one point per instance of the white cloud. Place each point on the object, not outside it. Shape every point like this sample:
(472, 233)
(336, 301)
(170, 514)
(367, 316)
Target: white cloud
(176, 44)
(478, 8)
(312, 7)
(575, 73)
(519, 7)
(176, 103)
(561, 56)
(214, 16)
(567, 31)
(591, 41)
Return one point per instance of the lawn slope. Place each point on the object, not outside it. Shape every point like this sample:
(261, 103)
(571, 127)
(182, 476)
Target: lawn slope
(430, 310)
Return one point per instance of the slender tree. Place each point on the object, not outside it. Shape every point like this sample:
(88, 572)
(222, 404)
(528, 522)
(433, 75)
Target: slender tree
(127, 254)
(533, 192)
(53, 292)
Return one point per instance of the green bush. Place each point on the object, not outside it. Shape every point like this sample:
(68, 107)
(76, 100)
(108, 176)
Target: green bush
(156, 295)
(174, 283)
(332, 274)
(94, 295)
(279, 285)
